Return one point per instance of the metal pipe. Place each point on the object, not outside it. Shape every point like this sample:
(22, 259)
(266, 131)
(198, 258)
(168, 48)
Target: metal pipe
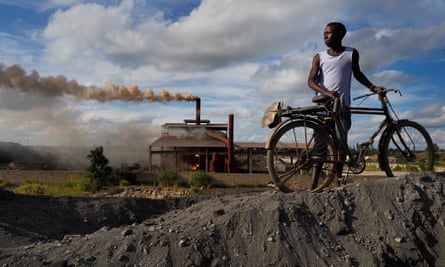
(230, 151)
(198, 111)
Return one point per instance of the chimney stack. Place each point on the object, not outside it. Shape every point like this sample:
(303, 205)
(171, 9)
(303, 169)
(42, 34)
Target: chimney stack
(198, 111)
(197, 119)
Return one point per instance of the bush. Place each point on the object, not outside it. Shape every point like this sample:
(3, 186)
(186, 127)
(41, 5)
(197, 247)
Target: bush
(200, 179)
(30, 188)
(411, 168)
(79, 186)
(4, 184)
(169, 178)
(73, 187)
(99, 173)
(398, 168)
(125, 174)
(124, 182)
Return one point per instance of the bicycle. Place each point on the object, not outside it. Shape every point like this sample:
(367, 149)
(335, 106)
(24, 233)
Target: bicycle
(404, 145)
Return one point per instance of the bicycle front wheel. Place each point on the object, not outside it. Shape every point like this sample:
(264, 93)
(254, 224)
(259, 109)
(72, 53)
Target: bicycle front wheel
(407, 148)
(296, 151)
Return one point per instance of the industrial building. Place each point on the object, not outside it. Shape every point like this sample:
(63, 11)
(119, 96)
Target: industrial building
(198, 144)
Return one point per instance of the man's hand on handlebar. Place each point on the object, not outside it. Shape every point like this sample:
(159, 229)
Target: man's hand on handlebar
(377, 89)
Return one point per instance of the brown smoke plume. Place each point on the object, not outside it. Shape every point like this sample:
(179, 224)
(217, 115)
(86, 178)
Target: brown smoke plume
(16, 77)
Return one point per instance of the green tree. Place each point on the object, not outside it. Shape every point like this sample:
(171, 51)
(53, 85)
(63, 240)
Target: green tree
(99, 173)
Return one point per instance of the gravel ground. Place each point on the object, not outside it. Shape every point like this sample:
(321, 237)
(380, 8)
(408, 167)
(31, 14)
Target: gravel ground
(390, 222)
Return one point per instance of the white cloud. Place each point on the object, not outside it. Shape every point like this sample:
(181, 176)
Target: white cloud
(238, 56)
(215, 34)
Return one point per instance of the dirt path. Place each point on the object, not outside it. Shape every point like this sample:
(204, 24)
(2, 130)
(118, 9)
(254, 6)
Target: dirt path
(390, 222)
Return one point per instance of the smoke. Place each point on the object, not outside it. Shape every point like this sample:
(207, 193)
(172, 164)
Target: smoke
(61, 127)
(15, 77)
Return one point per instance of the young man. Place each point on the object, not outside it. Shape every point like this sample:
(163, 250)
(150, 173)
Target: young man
(331, 74)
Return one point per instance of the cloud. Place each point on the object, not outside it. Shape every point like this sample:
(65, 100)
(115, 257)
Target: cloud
(393, 77)
(382, 46)
(215, 34)
(430, 116)
(238, 56)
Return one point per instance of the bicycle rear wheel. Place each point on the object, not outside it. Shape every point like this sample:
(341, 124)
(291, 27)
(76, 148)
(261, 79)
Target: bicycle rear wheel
(407, 148)
(291, 157)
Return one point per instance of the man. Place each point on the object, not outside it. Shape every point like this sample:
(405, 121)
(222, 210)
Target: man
(330, 75)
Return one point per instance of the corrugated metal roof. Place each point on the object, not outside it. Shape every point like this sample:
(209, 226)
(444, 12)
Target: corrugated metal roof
(262, 145)
(249, 145)
(175, 141)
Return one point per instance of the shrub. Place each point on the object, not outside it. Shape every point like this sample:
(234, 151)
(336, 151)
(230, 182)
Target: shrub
(124, 182)
(125, 174)
(411, 168)
(79, 186)
(30, 188)
(169, 178)
(4, 184)
(99, 173)
(200, 179)
(398, 168)
(73, 187)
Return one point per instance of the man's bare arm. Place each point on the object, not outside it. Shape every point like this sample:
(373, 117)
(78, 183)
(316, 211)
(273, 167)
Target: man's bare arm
(358, 74)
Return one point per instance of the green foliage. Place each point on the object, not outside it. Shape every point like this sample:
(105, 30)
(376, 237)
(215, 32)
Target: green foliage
(99, 173)
(124, 182)
(30, 188)
(168, 177)
(398, 168)
(73, 187)
(421, 163)
(200, 179)
(411, 168)
(4, 184)
(127, 173)
(79, 186)
(401, 159)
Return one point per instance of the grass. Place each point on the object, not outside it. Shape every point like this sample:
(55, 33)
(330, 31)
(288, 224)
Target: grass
(73, 187)
(4, 184)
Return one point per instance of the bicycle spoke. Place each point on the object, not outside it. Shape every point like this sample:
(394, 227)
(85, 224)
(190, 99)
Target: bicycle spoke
(290, 156)
(408, 148)
(284, 177)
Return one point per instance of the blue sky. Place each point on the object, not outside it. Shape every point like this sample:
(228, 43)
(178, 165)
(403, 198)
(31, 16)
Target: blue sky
(238, 56)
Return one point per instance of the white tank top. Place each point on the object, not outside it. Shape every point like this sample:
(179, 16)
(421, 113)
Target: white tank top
(335, 73)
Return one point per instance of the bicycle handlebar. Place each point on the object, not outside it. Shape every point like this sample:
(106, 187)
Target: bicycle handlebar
(381, 93)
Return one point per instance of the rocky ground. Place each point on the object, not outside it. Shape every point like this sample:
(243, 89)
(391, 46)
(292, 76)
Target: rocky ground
(390, 222)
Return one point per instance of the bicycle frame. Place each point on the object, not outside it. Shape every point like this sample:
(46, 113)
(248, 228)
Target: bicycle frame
(340, 133)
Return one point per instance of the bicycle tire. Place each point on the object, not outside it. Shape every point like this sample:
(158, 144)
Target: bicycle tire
(290, 157)
(407, 148)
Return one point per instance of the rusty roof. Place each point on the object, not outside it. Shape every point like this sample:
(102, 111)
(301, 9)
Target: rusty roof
(181, 141)
(176, 141)
(249, 145)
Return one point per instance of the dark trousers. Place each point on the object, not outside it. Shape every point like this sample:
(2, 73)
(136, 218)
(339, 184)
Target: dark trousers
(321, 148)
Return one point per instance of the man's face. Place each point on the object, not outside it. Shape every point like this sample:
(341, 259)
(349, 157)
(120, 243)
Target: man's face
(331, 36)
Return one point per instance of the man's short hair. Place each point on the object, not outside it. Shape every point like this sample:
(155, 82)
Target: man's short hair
(338, 26)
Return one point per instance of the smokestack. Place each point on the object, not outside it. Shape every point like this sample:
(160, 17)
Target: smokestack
(230, 147)
(197, 119)
(198, 111)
